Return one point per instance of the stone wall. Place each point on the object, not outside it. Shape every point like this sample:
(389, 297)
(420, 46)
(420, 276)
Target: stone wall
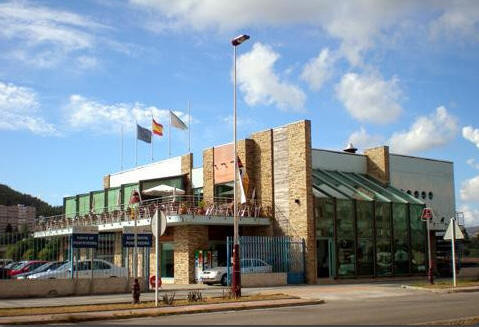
(301, 217)
(378, 163)
(262, 166)
(188, 239)
(186, 167)
(264, 279)
(23, 288)
(208, 175)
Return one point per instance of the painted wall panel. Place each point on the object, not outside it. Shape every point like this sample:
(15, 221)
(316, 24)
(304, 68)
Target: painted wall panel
(342, 161)
(425, 175)
(98, 203)
(160, 169)
(70, 207)
(197, 177)
(114, 200)
(84, 204)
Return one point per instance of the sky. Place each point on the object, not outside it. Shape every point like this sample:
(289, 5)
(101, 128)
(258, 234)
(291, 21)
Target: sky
(74, 74)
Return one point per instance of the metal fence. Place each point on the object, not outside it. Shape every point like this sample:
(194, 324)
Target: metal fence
(260, 254)
(23, 256)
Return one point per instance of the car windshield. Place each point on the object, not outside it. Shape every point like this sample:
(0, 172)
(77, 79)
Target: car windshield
(64, 267)
(20, 265)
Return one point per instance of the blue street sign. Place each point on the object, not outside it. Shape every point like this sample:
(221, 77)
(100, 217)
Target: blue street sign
(142, 240)
(84, 240)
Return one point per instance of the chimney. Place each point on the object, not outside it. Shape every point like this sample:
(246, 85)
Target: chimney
(350, 148)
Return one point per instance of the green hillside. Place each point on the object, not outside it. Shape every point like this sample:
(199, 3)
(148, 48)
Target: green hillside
(9, 196)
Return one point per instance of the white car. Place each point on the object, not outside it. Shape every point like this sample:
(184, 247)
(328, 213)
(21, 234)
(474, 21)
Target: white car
(82, 269)
(219, 274)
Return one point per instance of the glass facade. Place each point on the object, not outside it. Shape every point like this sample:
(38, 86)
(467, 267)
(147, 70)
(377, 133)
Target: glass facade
(375, 230)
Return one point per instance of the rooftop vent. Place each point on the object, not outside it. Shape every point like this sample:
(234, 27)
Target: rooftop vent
(350, 148)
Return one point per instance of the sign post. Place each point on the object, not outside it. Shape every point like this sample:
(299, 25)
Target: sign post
(453, 233)
(158, 227)
(427, 217)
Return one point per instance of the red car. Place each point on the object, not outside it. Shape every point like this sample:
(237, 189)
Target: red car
(26, 266)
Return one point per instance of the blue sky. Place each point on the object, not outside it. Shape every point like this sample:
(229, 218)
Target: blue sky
(401, 73)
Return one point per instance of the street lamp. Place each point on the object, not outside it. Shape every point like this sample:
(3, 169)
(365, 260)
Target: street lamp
(236, 282)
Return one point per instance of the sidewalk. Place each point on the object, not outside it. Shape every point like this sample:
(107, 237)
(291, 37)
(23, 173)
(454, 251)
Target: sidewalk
(461, 289)
(152, 312)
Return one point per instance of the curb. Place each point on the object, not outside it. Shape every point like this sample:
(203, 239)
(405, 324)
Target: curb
(452, 322)
(443, 290)
(152, 312)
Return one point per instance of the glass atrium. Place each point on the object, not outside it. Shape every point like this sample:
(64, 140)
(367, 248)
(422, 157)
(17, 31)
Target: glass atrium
(365, 228)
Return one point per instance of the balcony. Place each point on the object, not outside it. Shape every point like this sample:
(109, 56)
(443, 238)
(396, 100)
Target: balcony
(179, 210)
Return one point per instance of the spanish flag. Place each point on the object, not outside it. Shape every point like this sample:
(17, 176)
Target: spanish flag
(156, 128)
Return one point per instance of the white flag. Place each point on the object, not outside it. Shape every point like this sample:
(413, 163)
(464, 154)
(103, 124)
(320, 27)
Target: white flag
(176, 121)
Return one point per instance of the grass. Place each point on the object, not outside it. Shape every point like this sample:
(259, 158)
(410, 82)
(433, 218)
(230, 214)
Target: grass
(446, 283)
(11, 312)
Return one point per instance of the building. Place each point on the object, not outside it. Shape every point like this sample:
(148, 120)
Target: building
(16, 216)
(358, 214)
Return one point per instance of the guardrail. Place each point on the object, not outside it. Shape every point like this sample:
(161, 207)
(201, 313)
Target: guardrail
(172, 205)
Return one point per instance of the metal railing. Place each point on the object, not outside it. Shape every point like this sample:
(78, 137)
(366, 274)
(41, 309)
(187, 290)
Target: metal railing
(172, 205)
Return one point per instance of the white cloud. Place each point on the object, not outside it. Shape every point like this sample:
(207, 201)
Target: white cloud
(19, 110)
(470, 189)
(471, 134)
(260, 83)
(358, 25)
(84, 113)
(362, 140)
(459, 20)
(319, 69)
(472, 162)
(369, 98)
(426, 132)
(471, 215)
(44, 37)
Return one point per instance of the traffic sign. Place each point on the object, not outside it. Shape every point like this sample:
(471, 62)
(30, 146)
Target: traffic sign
(426, 214)
(160, 217)
(457, 231)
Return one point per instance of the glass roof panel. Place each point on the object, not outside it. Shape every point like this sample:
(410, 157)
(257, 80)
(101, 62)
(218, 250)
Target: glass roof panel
(341, 186)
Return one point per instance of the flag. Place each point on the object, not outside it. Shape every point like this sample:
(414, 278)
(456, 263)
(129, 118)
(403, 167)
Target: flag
(176, 121)
(156, 128)
(143, 134)
(243, 181)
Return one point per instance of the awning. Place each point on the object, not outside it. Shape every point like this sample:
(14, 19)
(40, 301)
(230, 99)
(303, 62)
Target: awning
(344, 185)
(162, 189)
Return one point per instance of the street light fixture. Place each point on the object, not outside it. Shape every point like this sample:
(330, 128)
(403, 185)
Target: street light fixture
(236, 282)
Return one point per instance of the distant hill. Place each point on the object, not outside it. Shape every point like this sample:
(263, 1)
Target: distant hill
(472, 230)
(9, 196)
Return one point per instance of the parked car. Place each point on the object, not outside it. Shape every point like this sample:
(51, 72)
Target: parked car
(219, 274)
(4, 262)
(26, 266)
(12, 264)
(49, 266)
(82, 269)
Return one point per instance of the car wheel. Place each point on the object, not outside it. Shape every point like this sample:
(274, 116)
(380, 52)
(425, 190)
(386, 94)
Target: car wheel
(224, 280)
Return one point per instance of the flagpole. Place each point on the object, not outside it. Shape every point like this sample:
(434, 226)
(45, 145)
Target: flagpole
(189, 128)
(136, 145)
(121, 152)
(169, 138)
(152, 137)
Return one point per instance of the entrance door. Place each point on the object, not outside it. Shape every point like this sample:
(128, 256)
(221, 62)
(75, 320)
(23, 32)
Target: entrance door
(323, 258)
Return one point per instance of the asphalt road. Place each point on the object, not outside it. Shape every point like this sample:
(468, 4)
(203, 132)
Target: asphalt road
(409, 308)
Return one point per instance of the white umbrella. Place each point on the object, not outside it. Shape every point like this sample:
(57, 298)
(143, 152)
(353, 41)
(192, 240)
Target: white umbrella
(163, 189)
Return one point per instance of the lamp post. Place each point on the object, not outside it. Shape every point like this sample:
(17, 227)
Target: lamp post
(236, 282)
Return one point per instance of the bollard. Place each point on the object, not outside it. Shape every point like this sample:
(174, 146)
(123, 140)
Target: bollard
(136, 292)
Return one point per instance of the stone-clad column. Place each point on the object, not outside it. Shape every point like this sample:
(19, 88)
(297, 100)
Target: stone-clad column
(208, 175)
(186, 167)
(378, 163)
(188, 239)
(300, 207)
(118, 250)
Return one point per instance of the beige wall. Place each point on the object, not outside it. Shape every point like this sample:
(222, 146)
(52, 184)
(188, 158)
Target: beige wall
(188, 239)
(378, 163)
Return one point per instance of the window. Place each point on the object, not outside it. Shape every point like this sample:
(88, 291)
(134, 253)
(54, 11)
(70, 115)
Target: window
(383, 239)
(99, 265)
(409, 192)
(365, 218)
(423, 195)
(416, 194)
(401, 242)
(430, 195)
(345, 238)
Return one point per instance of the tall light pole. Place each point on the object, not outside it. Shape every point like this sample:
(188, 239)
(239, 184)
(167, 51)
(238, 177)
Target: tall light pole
(236, 282)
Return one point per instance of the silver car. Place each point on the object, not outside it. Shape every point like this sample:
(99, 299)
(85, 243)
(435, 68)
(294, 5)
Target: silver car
(82, 269)
(219, 274)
